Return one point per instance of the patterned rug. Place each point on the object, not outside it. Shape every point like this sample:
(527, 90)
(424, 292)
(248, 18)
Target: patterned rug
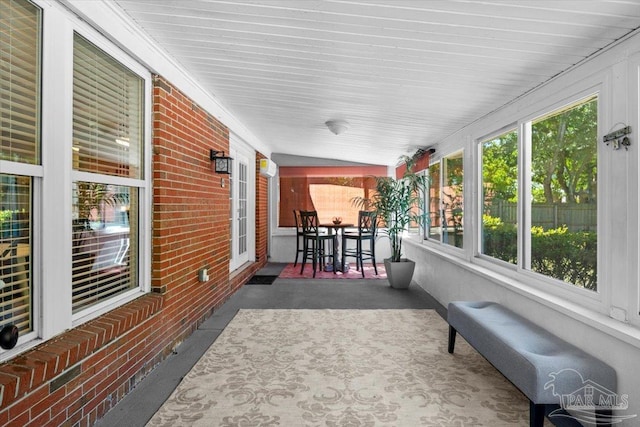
(291, 272)
(341, 368)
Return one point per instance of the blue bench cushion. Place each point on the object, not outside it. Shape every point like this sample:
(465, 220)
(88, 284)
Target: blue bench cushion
(527, 354)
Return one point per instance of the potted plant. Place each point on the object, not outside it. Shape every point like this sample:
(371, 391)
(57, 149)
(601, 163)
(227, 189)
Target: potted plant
(399, 204)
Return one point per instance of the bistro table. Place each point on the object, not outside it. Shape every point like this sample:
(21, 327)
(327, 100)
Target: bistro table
(338, 228)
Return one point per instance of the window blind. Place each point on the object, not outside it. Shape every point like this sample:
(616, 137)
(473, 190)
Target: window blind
(20, 44)
(108, 136)
(107, 113)
(20, 81)
(15, 253)
(103, 240)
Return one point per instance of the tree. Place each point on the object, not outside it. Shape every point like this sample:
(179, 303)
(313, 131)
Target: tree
(564, 160)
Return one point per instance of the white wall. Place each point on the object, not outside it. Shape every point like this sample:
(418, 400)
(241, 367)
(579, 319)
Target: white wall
(605, 324)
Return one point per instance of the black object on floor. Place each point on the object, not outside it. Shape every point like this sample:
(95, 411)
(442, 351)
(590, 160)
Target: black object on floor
(261, 280)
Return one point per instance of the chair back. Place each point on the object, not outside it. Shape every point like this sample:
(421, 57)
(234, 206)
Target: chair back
(309, 220)
(367, 223)
(298, 221)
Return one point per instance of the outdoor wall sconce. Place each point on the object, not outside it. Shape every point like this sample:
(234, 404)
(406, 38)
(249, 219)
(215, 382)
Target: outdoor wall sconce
(222, 162)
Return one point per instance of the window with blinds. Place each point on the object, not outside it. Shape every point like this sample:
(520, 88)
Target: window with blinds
(20, 51)
(103, 240)
(20, 81)
(15, 253)
(108, 118)
(107, 113)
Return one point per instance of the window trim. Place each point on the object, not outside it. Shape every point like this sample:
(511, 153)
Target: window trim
(478, 202)
(55, 312)
(533, 283)
(143, 184)
(465, 206)
(595, 300)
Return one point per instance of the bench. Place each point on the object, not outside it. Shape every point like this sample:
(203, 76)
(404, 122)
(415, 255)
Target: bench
(544, 367)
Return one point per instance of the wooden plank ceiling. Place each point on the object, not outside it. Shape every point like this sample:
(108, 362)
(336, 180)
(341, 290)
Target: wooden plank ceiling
(404, 73)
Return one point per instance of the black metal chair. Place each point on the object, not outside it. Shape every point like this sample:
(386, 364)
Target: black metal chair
(314, 242)
(367, 230)
(299, 235)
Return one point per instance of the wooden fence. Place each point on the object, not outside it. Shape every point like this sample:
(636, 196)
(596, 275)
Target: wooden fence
(580, 217)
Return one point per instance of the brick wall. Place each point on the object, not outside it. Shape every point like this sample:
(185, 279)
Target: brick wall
(76, 377)
(262, 214)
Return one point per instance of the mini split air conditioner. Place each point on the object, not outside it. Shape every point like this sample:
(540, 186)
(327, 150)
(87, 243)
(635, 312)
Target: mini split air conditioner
(267, 168)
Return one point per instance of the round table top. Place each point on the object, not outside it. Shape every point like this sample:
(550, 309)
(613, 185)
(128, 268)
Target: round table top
(333, 225)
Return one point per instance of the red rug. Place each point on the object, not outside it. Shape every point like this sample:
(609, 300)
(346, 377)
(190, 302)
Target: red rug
(291, 272)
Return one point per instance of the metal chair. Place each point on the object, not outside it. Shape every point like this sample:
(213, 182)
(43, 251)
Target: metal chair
(367, 230)
(314, 242)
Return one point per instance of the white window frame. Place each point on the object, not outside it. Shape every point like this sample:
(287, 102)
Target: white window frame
(594, 300)
(442, 245)
(56, 315)
(478, 205)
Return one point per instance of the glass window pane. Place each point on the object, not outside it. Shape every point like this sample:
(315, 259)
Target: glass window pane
(434, 227)
(20, 82)
(328, 190)
(500, 197)
(564, 194)
(452, 201)
(105, 234)
(107, 114)
(16, 287)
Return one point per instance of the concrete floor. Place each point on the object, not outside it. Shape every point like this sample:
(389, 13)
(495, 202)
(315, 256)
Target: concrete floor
(143, 401)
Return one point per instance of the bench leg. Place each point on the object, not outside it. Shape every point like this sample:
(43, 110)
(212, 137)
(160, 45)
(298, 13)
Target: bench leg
(452, 338)
(536, 414)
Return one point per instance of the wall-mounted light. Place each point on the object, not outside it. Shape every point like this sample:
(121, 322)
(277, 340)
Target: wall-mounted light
(222, 162)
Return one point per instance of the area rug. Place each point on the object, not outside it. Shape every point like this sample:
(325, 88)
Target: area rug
(341, 368)
(291, 272)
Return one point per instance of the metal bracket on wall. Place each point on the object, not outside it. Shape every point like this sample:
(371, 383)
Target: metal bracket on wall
(618, 138)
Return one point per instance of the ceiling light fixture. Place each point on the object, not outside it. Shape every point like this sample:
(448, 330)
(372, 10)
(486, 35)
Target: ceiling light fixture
(337, 126)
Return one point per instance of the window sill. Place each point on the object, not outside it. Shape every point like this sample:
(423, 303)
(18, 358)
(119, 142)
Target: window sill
(56, 361)
(620, 330)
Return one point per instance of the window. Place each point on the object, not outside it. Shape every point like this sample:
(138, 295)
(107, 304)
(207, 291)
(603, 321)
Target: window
(16, 252)
(559, 237)
(445, 201)
(434, 227)
(328, 190)
(563, 208)
(499, 225)
(452, 198)
(101, 171)
(107, 151)
(20, 45)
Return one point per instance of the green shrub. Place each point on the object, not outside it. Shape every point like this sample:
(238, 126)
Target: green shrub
(558, 253)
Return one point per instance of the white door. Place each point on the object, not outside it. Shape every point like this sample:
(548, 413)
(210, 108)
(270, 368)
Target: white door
(242, 204)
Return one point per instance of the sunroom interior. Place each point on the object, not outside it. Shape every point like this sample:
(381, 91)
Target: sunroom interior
(524, 116)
